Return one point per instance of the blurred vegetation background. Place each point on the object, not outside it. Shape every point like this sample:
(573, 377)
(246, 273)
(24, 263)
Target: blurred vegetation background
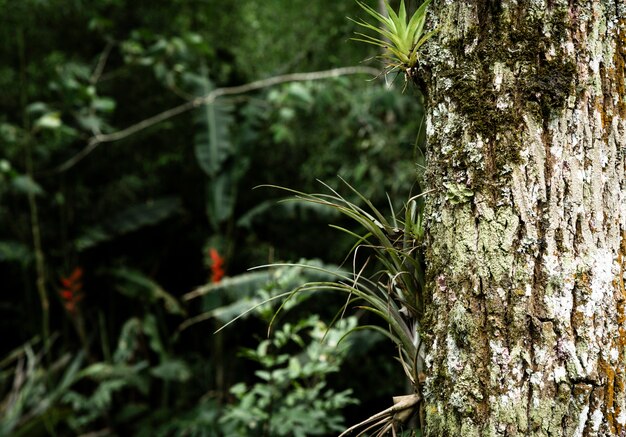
(119, 259)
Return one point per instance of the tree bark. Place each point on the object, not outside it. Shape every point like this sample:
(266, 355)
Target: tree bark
(526, 130)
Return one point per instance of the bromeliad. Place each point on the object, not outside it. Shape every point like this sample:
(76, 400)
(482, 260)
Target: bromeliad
(401, 38)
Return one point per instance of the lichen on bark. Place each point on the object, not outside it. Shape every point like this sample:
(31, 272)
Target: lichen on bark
(525, 318)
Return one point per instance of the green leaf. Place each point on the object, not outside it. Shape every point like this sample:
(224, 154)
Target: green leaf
(226, 313)
(25, 184)
(103, 104)
(135, 284)
(221, 198)
(128, 340)
(129, 220)
(51, 120)
(231, 288)
(213, 144)
(254, 293)
(269, 210)
(151, 329)
(15, 251)
(37, 108)
(172, 370)
(89, 121)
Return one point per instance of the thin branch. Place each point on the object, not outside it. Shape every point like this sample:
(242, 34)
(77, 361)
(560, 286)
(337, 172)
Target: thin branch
(98, 139)
(104, 56)
(40, 264)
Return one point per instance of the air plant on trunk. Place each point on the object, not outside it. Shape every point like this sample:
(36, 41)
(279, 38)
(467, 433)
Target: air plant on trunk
(393, 293)
(399, 35)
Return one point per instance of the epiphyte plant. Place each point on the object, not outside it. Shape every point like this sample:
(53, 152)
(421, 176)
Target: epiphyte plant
(394, 293)
(400, 36)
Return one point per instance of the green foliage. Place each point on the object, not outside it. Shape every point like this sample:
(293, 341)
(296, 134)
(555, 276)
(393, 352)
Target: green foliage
(213, 143)
(25, 184)
(15, 251)
(292, 397)
(138, 286)
(266, 42)
(352, 124)
(395, 292)
(126, 373)
(111, 380)
(129, 220)
(200, 420)
(139, 214)
(257, 293)
(32, 389)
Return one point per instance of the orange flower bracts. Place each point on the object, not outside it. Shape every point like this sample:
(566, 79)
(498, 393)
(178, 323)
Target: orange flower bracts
(72, 291)
(217, 266)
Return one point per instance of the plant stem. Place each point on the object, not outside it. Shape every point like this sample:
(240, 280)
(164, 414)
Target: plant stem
(104, 338)
(220, 382)
(32, 202)
(39, 257)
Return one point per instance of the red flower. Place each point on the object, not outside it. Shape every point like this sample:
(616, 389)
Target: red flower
(72, 293)
(217, 266)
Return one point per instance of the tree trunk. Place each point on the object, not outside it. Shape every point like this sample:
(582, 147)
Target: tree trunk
(526, 125)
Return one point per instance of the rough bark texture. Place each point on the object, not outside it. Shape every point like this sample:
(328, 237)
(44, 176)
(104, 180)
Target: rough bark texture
(525, 324)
